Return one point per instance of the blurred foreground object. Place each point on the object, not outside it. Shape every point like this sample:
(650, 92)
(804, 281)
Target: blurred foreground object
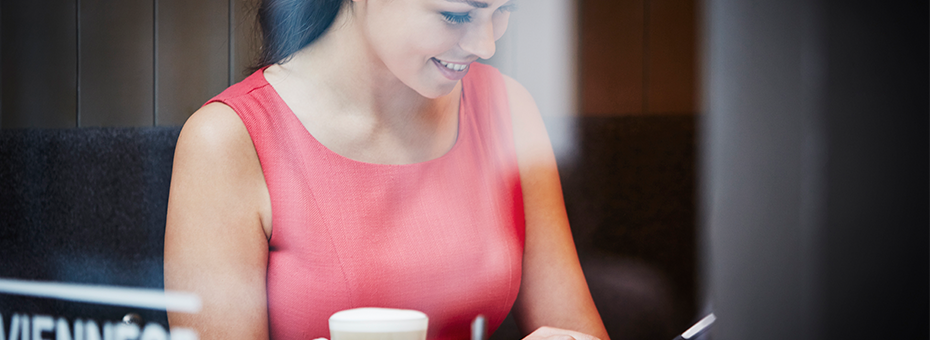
(815, 169)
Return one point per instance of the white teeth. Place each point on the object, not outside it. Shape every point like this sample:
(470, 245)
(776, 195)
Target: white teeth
(451, 66)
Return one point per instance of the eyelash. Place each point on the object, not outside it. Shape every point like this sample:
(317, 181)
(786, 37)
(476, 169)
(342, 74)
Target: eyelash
(456, 18)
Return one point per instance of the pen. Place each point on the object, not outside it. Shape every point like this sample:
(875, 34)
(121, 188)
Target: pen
(478, 328)
(698, 328)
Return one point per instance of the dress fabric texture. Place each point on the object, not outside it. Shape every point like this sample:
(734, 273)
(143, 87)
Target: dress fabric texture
(444, 236)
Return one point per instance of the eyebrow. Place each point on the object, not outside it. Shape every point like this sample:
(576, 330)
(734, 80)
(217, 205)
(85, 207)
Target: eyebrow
(473, 3)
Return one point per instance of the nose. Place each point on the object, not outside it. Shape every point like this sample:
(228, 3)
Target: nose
(479, 40)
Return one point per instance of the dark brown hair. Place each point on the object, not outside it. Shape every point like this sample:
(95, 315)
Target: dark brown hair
(290, 25)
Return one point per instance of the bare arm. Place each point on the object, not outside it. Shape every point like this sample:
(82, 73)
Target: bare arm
(218, 220)
(553, 291)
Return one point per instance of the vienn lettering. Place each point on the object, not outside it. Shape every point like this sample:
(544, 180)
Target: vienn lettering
(45, 327)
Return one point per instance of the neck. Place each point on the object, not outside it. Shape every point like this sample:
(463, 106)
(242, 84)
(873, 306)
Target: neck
(341, 67)
(349, 101)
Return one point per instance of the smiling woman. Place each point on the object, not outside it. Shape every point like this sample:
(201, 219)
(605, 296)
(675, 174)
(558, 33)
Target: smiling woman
(370, 161)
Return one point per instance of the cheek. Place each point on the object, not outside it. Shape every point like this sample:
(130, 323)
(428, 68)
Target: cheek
(433, 39)
(416, 41)
(390, 30)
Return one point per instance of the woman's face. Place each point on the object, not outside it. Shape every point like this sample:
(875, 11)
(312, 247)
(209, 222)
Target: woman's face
(428, 44)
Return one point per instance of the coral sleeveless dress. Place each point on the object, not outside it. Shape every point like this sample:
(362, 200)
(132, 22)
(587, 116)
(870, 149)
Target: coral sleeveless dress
(444, 236)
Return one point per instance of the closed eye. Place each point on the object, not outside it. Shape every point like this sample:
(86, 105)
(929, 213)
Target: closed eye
(456, 18)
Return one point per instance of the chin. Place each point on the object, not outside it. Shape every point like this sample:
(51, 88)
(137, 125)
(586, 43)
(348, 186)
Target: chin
(436, 91)
(431, 84)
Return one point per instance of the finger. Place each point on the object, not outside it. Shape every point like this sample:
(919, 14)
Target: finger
(560, 337)
(552, 333)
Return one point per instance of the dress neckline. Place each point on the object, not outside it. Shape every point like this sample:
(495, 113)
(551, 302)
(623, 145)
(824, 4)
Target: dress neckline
(292, 119)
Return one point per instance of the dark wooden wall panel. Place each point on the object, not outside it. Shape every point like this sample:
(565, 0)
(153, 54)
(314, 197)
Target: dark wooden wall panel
(611, 56)
(68, 63)
(116, 63)
(245, 38)
(638, 57)
(38, 54)
(672, 65)
(192, 56)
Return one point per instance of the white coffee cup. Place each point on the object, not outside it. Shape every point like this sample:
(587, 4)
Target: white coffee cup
(378, 324)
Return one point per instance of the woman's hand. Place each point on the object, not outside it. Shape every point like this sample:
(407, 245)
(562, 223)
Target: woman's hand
(551, 333)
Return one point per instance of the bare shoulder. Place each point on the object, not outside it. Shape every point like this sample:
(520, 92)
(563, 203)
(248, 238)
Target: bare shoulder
(530, 137)
(215, 159)
(213, 142)
(214, 127)
(522, 105)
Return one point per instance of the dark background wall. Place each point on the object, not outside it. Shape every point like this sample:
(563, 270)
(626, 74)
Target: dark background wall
(631, 195)
(80, 63)
(153, 62)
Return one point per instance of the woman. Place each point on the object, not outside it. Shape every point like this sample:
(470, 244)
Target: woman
(371, 162)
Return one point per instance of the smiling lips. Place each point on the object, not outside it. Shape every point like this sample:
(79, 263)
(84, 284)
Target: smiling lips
(452, 71)
(454, 67)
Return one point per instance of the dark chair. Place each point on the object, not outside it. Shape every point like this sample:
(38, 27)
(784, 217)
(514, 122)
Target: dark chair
(84, 206)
